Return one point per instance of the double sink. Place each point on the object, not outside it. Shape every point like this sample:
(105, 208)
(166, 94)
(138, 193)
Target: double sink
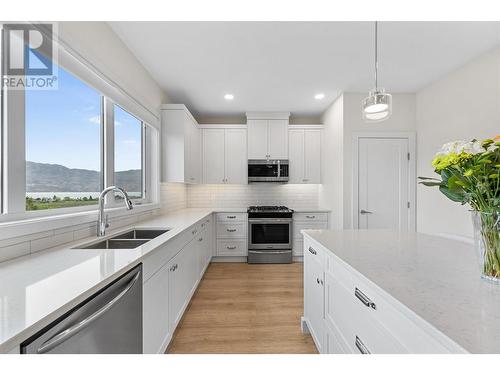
(127, 240)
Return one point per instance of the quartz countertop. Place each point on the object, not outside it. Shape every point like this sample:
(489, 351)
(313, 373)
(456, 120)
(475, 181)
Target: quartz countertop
(436, 278)
(38, 288)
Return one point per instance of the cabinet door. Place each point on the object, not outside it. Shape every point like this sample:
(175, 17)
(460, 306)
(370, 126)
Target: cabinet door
(195, 150)
(312, 159)
(278, 139)
(258, 139)
(296, 156)
(236, 156)
(213, 156)
(155, 312)
(180, 283)
(314, 300)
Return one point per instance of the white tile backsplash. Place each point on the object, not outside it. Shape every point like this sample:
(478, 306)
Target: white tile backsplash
(173, 197)
(233, 196)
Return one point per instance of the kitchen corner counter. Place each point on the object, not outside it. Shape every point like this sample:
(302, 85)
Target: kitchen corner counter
(436, 278)
(36, 289)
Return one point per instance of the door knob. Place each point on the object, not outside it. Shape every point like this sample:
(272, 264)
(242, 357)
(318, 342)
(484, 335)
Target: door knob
(363, 212)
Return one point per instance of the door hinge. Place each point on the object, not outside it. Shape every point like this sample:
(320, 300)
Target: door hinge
(408, 204)
(408, 156)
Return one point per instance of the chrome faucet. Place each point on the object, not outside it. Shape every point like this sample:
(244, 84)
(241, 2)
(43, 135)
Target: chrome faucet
(102, 221)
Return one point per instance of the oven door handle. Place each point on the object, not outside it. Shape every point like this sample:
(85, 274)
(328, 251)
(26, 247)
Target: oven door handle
(269, 221)
(269, 251)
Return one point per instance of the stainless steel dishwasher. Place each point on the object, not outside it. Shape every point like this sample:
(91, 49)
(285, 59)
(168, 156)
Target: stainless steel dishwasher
(108, 322)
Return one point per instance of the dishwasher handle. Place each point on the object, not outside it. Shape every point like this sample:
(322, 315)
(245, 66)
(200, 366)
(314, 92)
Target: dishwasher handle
(73, 330)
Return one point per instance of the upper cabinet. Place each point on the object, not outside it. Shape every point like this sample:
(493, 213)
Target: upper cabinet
(267, 135)
(305, 155)
(225, 155)
(181, 145)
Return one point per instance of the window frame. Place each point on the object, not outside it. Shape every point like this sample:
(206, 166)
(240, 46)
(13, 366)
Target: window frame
(13, 152)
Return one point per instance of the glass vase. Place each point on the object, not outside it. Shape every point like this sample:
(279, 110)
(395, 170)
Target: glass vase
(487, 243)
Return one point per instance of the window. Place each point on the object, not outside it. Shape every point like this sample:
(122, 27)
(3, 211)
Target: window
(128, 153)
(63, 145)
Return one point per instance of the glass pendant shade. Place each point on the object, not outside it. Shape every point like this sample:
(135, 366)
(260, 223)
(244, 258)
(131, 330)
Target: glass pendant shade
(377, 106)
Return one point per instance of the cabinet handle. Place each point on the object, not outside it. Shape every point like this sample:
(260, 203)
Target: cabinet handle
(305, 180)
(364, 299)
(231, 217)
(194, 231)
(200, 239)
(312, 251)
(310, 216)
(317, 280)
(230, 247)
(231, 230)
(202, 225)
(361, 346)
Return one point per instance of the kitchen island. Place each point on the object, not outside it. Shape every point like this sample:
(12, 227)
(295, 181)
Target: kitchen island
(388, 292)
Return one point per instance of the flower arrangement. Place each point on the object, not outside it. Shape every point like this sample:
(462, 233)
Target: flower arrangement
(470, 174)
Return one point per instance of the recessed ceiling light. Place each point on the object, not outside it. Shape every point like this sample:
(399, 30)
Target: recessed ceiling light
(319, 96)
(229, 96)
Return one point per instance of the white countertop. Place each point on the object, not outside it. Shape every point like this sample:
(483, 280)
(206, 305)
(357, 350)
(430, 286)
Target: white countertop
(38, 288)
(436, 278)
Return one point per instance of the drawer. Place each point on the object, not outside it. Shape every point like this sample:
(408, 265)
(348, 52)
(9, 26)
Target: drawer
(385, 315)
(231, 230)
(358, 327)
(297, 227)
(310, 216)
(231, 216)
(298, 247)
(335, 342)
(314, 251)
(232, 248)
(205, 223)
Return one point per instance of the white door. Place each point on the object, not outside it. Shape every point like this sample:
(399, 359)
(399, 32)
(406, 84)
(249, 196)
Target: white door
(278, 139)
(155, 312)
(236, 156)
(383, 182)
(257, 139)
(296, 156)
(213, 156)
(312, 156)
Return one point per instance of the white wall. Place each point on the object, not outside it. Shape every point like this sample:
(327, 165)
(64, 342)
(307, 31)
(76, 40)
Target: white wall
(331, 189)
(465, 104)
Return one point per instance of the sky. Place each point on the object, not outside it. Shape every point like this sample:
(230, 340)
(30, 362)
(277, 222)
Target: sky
(63, 127)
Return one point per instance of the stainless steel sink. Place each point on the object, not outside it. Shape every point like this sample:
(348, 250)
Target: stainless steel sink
(142, 234)
(115, 244)
(128, 240)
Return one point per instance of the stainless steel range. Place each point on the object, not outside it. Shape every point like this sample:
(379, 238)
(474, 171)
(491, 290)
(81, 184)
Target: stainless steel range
(270, 234)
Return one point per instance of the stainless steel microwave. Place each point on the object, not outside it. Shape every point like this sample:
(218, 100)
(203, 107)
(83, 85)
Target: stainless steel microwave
(263, 170)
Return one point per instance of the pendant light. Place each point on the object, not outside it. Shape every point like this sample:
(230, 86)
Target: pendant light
(378, 105)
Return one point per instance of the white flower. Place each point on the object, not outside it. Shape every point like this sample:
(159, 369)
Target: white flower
(491, 148)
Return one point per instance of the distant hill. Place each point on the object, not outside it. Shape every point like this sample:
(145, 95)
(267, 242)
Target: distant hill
(41, 177)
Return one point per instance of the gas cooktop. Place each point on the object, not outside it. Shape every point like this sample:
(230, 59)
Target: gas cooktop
(282, 209)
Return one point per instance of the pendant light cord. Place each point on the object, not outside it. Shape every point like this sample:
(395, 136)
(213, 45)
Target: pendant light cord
(376, 55)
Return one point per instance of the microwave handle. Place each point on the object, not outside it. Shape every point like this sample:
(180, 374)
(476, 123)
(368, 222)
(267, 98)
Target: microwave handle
(279, 169)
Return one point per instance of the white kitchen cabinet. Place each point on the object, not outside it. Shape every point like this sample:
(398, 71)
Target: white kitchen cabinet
(183, 275)
(267, 137)
(225, 156)
(305, 156)
(231, 234)
(181, 145)
(156, 330)
(302, 221)
(214, 156)
(314, 296)
(236, 161)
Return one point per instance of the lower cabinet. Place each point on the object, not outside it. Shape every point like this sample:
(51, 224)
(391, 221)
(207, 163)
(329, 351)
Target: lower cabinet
(156, 330)
(314, 296)
(346, 313)
(167, 293)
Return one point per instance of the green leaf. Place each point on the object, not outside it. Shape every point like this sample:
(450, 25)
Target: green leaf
(453, 195)
(428, 178)
(430, 183)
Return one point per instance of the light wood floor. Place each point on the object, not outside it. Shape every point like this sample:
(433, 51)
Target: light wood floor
(245, 308)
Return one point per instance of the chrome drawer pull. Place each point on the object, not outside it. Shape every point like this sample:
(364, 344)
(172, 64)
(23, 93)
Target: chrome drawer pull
(230, 247)
(231, 217)
(312, 251)
(361, 347)
(310, 216)
(200, 239)
(194, 231)
(364, 299)
(231, 230)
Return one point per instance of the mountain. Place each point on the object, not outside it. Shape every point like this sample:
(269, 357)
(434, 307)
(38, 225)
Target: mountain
(41, 177)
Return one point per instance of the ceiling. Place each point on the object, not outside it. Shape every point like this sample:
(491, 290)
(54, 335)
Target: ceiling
(280, 66)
